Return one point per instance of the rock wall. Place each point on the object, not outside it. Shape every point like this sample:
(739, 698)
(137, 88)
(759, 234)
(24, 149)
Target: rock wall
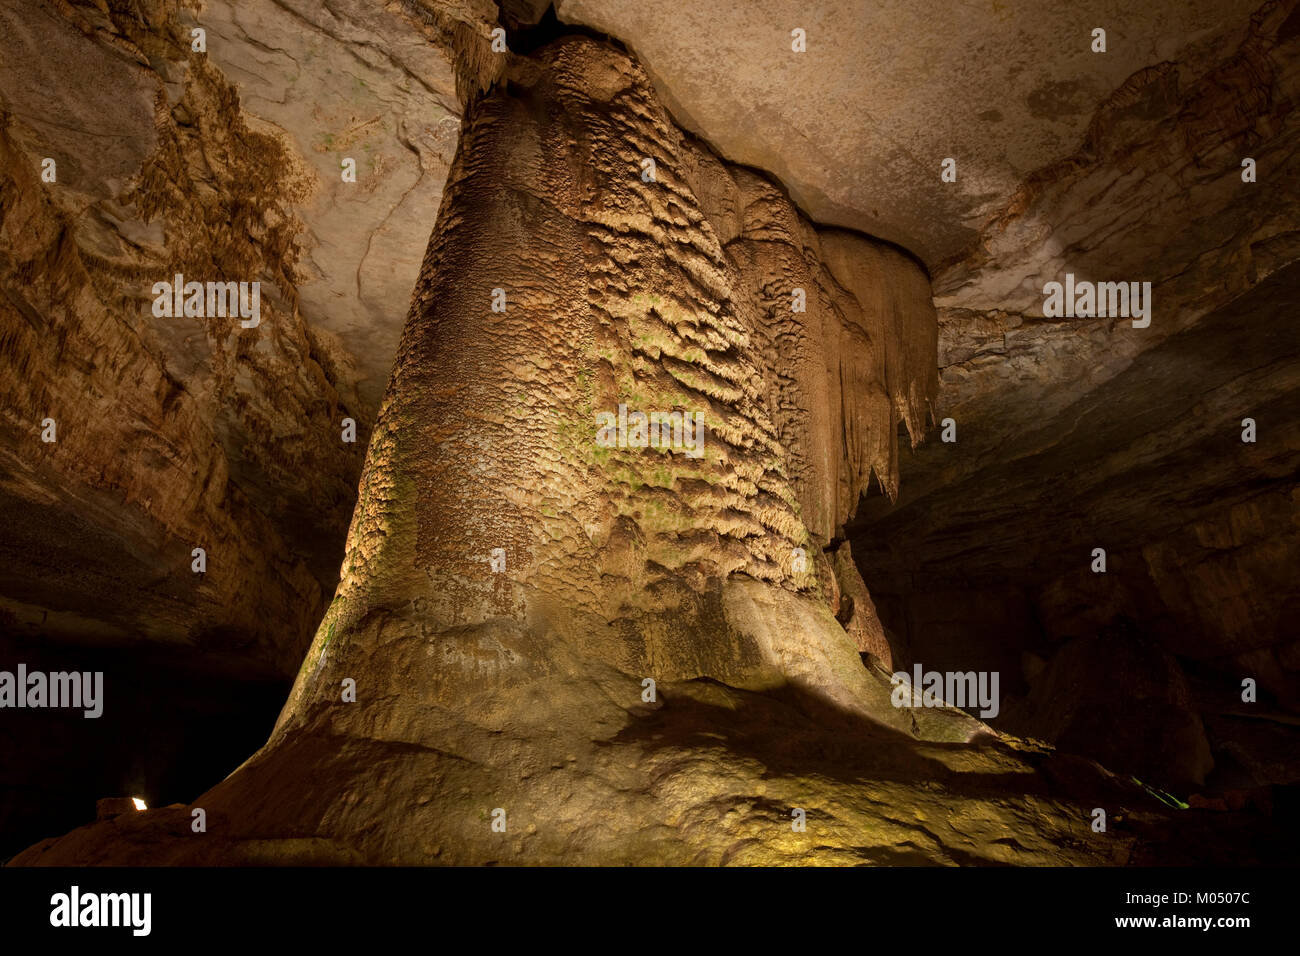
(150, 459)
(220, 163)
(1073, 434)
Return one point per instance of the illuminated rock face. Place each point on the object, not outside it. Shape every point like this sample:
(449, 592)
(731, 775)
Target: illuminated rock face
(622, 294)
(173, 432)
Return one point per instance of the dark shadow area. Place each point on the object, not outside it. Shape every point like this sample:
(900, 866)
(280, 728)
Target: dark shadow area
(796, 734)
(527, 31)
(170, 728)
(989, 566)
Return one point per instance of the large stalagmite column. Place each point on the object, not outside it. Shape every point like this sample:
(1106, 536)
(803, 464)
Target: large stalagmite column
(548, 612)
(591, 265)
(527, 548)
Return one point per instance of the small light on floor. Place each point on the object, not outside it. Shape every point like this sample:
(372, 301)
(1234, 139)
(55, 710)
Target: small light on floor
(139, 804)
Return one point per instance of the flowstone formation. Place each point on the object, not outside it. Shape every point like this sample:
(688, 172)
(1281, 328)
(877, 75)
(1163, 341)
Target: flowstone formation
(550, 648)
(567, 281)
